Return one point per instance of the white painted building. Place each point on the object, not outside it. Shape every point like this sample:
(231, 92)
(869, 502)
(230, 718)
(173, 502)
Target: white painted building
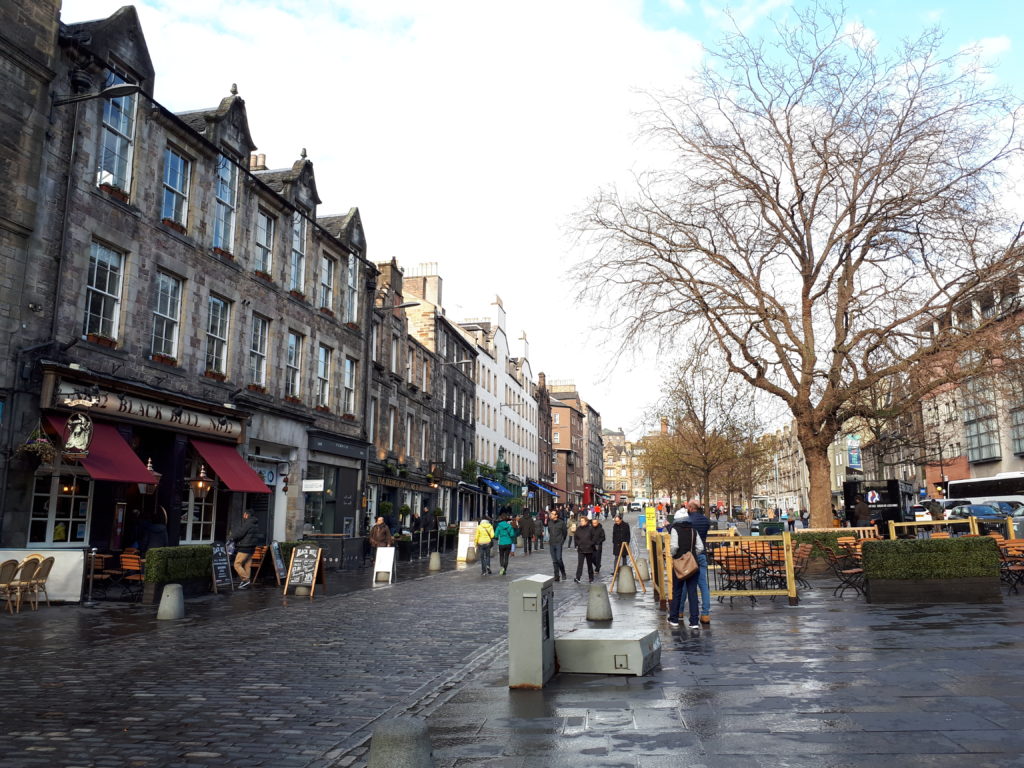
(506, 405)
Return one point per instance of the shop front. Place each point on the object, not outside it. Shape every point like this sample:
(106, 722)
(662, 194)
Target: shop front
(332, 486)
(132, 467)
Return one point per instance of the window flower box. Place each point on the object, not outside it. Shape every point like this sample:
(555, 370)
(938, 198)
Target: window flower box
(263, 276)
(293, 399)
(352, 326)
(224, 254)
(215, 375)
(297, 294)
(115, 192)
(103, 341)
(177, 226)
(256, 388)
(348, 416)
(327, 311)
(323, 409)
(164, 359)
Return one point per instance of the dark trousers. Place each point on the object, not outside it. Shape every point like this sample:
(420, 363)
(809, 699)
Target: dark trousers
(504, 550)
(528, 544)
(588, 558)
(556, 560)
(684, 590)
(598, 550)
(484, 551)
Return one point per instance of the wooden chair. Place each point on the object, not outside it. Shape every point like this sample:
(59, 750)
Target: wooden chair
(132, 577)
(7, 591)
(850, 577)
(257, 562)
(22, 582)
(940, 534)
(39, 581)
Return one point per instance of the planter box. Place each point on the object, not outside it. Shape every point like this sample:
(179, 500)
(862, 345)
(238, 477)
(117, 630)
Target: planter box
(978, 589)
(152, 591)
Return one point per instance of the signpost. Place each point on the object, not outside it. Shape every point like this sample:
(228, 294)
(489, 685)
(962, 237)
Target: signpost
(304, 568)
(275, 554)
(384, 562)
(221, 568)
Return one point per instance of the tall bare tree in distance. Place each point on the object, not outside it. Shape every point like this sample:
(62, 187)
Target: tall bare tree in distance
(828, 214)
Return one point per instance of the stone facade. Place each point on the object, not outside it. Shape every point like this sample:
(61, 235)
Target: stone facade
(179, 302)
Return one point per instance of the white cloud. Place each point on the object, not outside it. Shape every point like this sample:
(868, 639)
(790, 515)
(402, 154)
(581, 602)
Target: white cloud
(465, 132)
(743, 14)
(860, 36)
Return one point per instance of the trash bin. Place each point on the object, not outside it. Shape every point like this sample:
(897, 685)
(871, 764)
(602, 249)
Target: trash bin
(772, 529)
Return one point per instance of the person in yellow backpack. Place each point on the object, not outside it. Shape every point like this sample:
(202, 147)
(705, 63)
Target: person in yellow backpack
(484, 540)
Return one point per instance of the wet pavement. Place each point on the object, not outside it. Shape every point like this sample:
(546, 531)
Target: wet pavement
(249, 679)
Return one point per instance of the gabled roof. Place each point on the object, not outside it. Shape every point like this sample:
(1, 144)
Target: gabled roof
(121, 33)
(347, 227)
(284, 180)
(205, 121)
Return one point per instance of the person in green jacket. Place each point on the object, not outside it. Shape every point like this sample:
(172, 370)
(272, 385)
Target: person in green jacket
(506, 536)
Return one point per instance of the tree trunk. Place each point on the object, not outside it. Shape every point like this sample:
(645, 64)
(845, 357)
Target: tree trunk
(820, 492)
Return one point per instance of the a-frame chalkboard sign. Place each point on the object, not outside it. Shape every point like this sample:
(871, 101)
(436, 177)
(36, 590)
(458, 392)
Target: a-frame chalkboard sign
(278, 560)
(221, 568)
(304, 569)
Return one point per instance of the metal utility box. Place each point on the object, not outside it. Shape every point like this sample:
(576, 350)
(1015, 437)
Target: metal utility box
(531, 631)
(609, 651)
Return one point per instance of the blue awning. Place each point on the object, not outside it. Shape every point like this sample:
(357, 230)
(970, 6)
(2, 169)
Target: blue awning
(540, 487)
(498, 488)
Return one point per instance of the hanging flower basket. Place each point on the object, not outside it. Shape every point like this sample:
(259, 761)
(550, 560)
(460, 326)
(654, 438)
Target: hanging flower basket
(38, 446)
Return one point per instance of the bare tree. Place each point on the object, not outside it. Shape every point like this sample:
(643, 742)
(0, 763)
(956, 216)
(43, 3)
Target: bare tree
(828, 215)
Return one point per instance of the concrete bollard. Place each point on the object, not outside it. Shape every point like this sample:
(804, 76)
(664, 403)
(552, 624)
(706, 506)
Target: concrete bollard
(599, 605)
(471, 555)
(435, 562)
(625, 584)
(172, 603)
(381, 576)
(642, 571)
(401, 743)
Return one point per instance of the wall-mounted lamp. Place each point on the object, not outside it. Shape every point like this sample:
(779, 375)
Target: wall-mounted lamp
(111, 92)
(148, 489)
(202, 484)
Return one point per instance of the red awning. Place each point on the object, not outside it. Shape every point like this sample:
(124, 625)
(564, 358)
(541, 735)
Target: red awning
(110, 457)
(230, 467)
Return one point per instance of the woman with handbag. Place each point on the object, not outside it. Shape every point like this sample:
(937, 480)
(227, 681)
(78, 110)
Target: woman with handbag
(685, 546)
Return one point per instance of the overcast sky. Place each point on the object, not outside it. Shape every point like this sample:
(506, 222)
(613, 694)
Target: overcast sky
(468, 132)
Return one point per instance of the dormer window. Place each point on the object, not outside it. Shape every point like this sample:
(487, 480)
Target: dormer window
(224, 215)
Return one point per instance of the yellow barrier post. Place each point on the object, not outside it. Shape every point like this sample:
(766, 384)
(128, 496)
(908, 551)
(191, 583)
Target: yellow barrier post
(892, 529)
(787, 544)
(1009, 528)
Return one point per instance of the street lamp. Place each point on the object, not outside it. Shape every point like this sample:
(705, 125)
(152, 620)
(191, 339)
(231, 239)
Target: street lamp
(110, 92)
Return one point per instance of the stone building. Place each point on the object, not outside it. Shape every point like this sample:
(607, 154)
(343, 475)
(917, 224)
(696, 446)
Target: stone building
(455, 358)
(404, 412)
(567, 440)
(592, 454)
(201, 313)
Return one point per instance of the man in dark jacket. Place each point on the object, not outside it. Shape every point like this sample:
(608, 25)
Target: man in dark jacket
(527, 529)
(557, 533)
(620, 535)
(248, 538)
(701, 524)
(599, 539)
(585, 540)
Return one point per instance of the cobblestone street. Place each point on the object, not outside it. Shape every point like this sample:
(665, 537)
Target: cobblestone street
(254, 684)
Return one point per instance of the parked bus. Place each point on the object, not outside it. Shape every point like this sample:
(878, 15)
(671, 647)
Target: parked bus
(1006, 486)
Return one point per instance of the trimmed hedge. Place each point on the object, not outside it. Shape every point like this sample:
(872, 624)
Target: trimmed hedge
(958, 558)
(165, 565)
(286, 552)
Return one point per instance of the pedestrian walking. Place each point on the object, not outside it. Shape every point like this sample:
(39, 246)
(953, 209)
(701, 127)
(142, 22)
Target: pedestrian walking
(684, 539)
(484, 540)
(505, 533)
(573, 525)
(542, 528)
(620, 535)
(527, 529)
(585, 536)
(380, 536)
(599, 539)
(248, 538)
(557, 533)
